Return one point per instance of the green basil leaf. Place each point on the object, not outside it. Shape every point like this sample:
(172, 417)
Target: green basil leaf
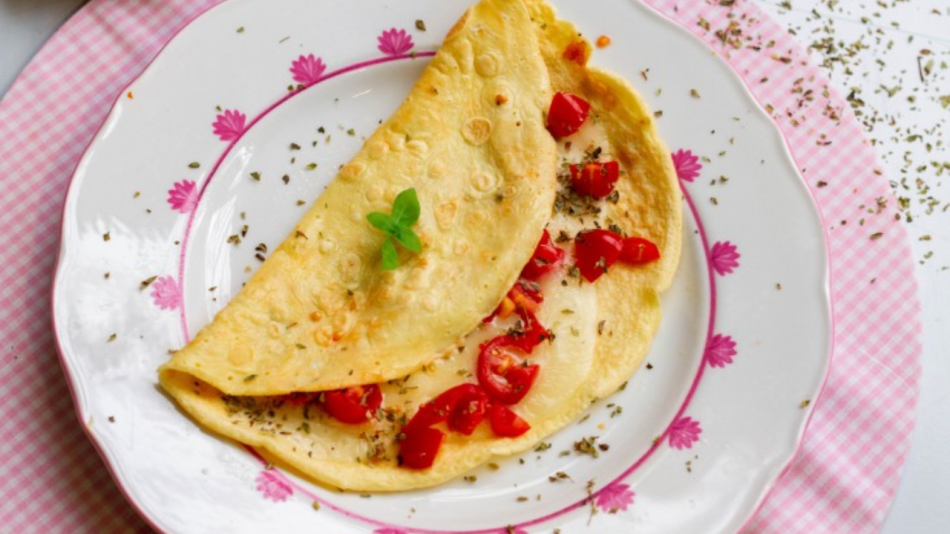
(408, 239)
(390, 258)
(383, 222)
(406, 208)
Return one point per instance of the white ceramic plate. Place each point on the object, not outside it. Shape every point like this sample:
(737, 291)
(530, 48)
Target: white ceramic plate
(707, 426)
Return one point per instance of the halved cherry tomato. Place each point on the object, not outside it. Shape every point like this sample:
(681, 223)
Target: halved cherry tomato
(547, 258)
(469, 410)
(353, 405)
(566, 114)
(441, 408)
(503, 371)
(639, 250)
(506, 423)
(420, 447)
(595, 179)
(596, 250)
(532, 332)
(524, 295)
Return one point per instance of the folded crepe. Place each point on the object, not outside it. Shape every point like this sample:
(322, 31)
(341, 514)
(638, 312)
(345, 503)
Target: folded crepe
(602, 330)
(470, 138)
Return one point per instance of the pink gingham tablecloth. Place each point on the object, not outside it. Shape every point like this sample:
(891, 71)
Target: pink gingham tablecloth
(848, 468)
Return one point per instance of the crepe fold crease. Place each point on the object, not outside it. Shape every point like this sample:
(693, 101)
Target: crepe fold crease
(470, 138)
(602, 330)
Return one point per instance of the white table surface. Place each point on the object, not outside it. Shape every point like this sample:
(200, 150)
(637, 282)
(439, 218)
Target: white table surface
(894, 34)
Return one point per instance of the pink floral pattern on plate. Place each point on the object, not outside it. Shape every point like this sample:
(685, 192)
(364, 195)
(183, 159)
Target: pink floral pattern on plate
(229, 125)
(273, 486)
(720, 350)
(614, 498)
(687, 165)
(394, 42)
(724, 257)
(391, 530)
(684, 432)
(183, 196)
(165, 293)
(307, 69)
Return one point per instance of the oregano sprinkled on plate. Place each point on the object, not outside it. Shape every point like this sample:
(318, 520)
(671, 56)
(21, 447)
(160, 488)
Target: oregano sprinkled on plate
(587, 446)
(147, 282)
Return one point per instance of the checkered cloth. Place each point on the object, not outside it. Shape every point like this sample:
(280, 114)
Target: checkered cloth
(848, 468)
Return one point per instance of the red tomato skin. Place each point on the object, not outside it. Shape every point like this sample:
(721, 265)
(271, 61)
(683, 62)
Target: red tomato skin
(566, 114)
(441, 408)
(638, 250)
(524, 295)
(469, 411)
(420, 447)
(438, 409)
(592, 246)
(510, 386)
(595, 179)
(534, 332)
(546, 259)
(347, 405)
(506, 423)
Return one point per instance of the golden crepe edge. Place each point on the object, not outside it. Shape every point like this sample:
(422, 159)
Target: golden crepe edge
(319, 314)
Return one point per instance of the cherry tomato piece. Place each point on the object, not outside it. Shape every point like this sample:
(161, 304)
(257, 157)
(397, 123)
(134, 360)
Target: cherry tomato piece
(506, 423)
(596, 251)
(532, 332)
(438, 409)
(420, 447)
(524, 295)
(469, 410)
(566, 114)
(442, 408)
(353, 405)
(639, 250)
(595, 179)
(546, 259)
(503, 372)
